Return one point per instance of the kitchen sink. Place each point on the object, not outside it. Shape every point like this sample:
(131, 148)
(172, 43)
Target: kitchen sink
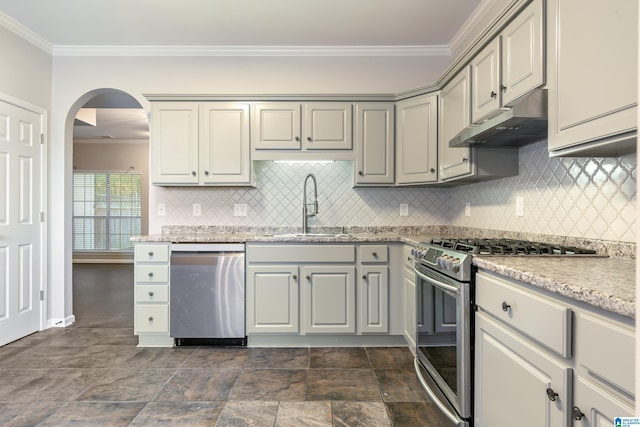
(310, 235)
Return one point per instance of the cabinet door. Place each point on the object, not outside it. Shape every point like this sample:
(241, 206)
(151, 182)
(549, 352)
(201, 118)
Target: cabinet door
(224, 143)
(597, 406)
(523, 53)
(374, 133)
(454, 115)
(514, 381)
(327, 126)
(272, 299)
(417, 140)
(592, 71)
(276, 126)
(485, 72)
(410, 308)
(328, 297)
(373, 309)
(174, 143)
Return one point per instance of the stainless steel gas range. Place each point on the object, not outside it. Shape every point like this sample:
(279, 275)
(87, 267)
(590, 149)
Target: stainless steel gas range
(445, 313)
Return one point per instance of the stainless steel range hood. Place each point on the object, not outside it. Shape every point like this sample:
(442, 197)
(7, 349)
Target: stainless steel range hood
(524, 123)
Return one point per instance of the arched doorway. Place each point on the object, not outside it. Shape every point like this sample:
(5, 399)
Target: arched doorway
(110, 203)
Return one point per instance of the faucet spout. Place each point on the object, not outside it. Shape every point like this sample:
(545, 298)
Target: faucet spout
(306, 204)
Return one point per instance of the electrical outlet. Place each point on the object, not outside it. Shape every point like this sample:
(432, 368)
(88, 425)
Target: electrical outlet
(197, 209)
(160, 209)
(404, 209)
(467, 209)
(240, 209)
(519, 206)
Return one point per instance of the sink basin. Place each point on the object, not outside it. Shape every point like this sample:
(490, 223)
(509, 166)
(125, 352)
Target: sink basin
(311, 235)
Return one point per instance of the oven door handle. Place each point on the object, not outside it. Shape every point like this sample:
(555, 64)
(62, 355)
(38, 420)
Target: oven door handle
(436, 283)
(457, 421)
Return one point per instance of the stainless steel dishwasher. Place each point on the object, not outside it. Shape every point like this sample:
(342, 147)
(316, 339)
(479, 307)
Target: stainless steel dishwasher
(207, 294)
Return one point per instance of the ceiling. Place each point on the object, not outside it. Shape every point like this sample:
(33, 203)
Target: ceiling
(229, 25)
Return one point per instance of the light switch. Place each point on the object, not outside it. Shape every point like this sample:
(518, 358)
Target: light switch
(160, 209)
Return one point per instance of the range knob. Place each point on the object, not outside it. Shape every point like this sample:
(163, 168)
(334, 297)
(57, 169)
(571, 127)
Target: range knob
(456, 265)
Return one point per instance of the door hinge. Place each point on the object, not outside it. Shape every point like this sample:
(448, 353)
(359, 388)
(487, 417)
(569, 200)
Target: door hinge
(41, 295)
(42, 138)
(41, 216)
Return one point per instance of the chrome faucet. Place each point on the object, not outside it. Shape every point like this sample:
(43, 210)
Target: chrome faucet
(305, 204)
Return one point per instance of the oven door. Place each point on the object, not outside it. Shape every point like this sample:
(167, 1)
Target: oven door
(444, 352)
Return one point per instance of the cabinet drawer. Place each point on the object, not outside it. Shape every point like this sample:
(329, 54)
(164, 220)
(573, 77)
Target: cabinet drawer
(374, 253)
(606, 349)
(152, 293)
(152, 318)
(295, 253)
(151, 253)
(534, 315)
(152, 273)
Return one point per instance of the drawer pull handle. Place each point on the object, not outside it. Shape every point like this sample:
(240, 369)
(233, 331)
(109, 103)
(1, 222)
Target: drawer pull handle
(150, 294)
(151, 274)
(552, 395)
(576, 413)
(505, 306)
(150, 319)
(150, 253)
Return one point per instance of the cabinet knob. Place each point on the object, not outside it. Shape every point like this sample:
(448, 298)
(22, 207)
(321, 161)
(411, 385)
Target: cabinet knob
(309, 139)
(151, 274)
(364, 277)
(206, 173)
(360, 173)
(576, 413)
(150, 319)
(294, 277)
(493, 94)
(465, 160)
(432, 170)
(503, 88)
(552, 395)
(297, 138)
(409, 259)
(150, 253)
(193, 173)
(309, 278)
(150, 294)
(374, 254)
(505, 306)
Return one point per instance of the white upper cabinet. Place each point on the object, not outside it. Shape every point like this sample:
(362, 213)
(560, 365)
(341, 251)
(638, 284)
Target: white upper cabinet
(592, 76)
(374, 136)
(291, 128)
(417, 140)
(511, 65)
(174, 143)
(200, 143)
(454, 115)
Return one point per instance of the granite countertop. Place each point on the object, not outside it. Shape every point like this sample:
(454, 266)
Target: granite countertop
(604, 282)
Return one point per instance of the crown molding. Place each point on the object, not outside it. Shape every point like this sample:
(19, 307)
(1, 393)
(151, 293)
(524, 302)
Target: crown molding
(322, 51)
(464, 36)
(22, 31)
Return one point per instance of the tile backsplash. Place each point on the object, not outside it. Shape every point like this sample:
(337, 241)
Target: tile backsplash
(591, 198)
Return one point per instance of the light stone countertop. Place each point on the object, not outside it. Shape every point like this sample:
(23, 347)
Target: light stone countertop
(606, 283)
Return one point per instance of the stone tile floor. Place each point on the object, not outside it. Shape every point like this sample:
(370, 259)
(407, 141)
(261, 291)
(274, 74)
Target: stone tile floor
(92, 374)
(98, 377)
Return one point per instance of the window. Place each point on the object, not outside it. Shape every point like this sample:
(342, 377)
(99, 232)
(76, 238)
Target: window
(106, 211)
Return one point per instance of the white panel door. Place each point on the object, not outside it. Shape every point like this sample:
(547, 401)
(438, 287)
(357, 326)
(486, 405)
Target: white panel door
(20, 227)
(329, 299)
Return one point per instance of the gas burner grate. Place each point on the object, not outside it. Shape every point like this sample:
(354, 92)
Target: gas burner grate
(507, 247)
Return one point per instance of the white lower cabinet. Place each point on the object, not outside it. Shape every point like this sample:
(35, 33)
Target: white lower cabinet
(328, 299)
(543, 360)
(151, 294)
(517, 383)
(272, 299)
(409, 305)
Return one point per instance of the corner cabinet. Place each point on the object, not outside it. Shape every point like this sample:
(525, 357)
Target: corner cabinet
(313, 130)
(200, 143)
(151, 294)
(374, 140)
(592, 77)
(417, 140)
